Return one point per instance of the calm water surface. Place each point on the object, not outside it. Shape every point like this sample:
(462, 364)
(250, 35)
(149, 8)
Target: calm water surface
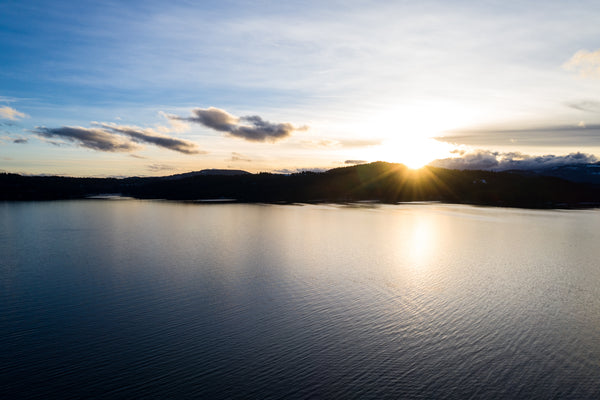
(149, 299)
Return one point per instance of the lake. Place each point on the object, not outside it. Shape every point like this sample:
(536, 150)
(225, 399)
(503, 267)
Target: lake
(156, 299)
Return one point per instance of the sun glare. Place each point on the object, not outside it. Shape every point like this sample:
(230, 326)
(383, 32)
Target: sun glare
(408, 133)
(413, 152)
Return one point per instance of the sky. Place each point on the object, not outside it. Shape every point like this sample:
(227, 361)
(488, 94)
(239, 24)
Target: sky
(124, 88)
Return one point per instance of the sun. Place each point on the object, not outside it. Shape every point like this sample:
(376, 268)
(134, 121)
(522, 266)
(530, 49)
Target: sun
(407, 132)
(415, 152)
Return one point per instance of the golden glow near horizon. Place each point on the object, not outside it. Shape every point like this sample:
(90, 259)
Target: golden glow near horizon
(413, 152)
(408, 132)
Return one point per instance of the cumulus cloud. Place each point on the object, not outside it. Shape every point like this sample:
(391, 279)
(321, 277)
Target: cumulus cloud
(10, 113)
(252, 127)
(214, 118)
(95, 139)
(141, 135)
(497, 161)
(586, 63)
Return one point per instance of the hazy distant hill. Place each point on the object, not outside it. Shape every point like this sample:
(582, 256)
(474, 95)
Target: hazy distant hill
(585, 173)
(221, 172)
(377, 181)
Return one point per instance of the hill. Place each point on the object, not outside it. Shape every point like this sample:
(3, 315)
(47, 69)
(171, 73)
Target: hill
(221, 172)
(379, 181)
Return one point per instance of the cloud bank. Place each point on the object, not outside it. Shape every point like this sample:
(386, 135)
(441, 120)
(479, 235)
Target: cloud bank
(561, 135)
(251, 128)
(116, 138)
(496, 161)
(586, 63)
(10, 113)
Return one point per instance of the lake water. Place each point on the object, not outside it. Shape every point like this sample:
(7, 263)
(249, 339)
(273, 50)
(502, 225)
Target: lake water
(151, 299)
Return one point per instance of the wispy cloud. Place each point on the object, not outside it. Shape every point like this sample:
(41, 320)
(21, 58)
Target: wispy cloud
(159, 167)
(6, 99)
(497, 161)
(20, 140)
(586, 63)
(239, 157)
(115, 138)
(585, 105)
(343, 143)
(354, 162)
(349, 143)
(10, 113)
(175, 124)
(150, 136)
(251, 127)
(95, 139)
(580, 134)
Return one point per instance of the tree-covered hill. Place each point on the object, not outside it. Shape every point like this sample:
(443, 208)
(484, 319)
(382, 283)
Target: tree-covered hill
(377, 181)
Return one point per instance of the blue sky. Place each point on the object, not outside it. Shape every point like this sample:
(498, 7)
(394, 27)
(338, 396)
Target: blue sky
(133, 87)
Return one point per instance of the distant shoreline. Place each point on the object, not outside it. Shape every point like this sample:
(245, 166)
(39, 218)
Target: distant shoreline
(376, 182)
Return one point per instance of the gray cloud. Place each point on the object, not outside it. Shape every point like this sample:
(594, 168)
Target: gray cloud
(213, 118)
(252, 127)
(354, 162)
(149, 136)
(109, 137)
(585, 105)
(95, 139)
(562, 135)
(493, 160)
(20, 140)
(159, 167)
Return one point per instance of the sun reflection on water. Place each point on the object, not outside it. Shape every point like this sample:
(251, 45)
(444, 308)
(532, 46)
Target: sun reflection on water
(420, 243)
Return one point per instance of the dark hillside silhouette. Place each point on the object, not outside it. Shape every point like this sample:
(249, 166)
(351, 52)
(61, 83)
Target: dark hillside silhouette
(379, 181)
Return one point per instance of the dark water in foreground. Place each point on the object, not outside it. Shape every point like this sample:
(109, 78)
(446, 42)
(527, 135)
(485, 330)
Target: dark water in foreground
(134, 299)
